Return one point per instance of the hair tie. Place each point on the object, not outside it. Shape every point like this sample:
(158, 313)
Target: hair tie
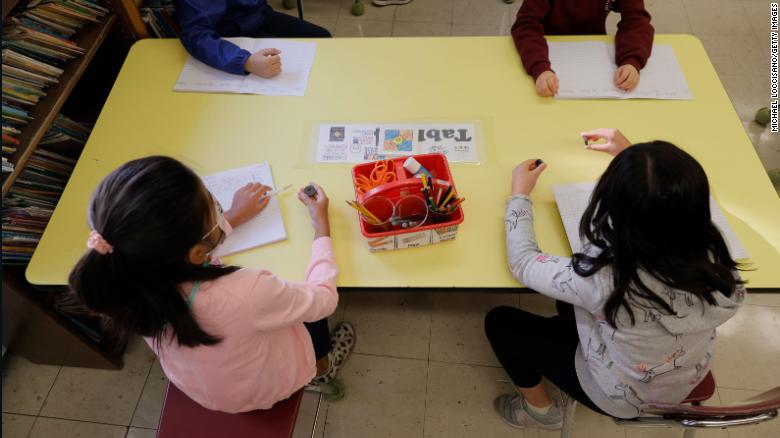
(98, 243)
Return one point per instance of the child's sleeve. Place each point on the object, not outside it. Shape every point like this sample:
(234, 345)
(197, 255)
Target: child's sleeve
(634, 38)
(198, 20)
(547, 274)
(528, 35)
(277, 303)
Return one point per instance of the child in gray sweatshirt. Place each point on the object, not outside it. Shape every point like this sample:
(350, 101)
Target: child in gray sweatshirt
(638, 307)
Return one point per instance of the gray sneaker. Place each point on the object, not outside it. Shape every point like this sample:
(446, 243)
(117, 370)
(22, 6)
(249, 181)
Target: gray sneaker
(513, 409)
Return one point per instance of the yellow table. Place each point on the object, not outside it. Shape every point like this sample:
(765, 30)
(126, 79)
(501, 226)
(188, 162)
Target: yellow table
(411, 79)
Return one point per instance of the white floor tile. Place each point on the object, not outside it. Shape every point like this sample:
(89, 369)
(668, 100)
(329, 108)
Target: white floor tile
(58, 428)
(102, 396)
(26, 384)
(385, 397)
(17, 426)
(391, 323)
(457, 326)
(459, 402)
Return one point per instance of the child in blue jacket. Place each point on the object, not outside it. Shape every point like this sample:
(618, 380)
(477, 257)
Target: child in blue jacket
(205, 22)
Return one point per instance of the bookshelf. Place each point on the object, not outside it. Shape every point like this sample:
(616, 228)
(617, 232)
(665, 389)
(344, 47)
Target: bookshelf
(47, 109)
(32, 325)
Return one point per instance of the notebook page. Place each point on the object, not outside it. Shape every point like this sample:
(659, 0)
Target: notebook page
(297, 60)
(586, 70)
(199, 77)
(265, 228)
(662, 77)
(572, 199)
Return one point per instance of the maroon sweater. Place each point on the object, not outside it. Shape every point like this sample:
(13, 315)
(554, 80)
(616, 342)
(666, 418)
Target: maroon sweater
(537, 18)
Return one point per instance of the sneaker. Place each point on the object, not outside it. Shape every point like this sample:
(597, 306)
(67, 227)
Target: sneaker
(513, 409)
(342, 340)
(390, 2)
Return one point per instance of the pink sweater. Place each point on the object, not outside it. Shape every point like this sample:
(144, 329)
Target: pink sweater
(266, 353)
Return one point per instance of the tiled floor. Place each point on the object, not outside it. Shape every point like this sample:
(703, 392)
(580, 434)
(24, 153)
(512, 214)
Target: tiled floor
(422, 367)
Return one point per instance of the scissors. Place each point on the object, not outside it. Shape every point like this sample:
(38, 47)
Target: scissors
(380, 174)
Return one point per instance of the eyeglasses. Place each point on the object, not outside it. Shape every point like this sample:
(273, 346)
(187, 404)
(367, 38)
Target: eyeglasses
(220, 215)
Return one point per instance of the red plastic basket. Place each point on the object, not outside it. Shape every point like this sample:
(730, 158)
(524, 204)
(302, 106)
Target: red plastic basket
(406, 184)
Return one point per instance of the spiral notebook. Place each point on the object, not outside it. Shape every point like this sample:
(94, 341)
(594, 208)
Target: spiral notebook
(572, 199)
(265, 228)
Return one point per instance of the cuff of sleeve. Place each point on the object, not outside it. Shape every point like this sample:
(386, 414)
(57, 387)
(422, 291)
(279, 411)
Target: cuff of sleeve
(236, 65)
(632, 61)
(518, 197)
(228, 229)
(322, 245)
(540, 68)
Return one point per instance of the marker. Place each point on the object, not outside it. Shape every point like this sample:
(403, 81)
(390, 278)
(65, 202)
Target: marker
(310, 191)
(447, 198)
(585, 137)
(455, 204)
(537, 163)
(274, 192)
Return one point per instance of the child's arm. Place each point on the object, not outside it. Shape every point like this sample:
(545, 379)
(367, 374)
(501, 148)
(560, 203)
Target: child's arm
(634, 38)
(197, 19)
(528, 35)
(544, 273)
(278, 303)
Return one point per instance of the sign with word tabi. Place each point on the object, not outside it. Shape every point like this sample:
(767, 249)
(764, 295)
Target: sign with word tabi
(354, 143)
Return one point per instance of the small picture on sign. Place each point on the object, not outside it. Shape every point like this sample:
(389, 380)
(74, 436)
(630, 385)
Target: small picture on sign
(336, 133)
(398, 140)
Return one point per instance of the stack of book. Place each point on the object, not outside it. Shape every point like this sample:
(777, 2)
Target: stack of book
(31, 200)
(66, 131)
(158, 16)
(36, 45)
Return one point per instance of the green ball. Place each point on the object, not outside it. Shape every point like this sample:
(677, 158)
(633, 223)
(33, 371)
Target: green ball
(289, 4)
(358, 9)
(762, 116)
(336, 391)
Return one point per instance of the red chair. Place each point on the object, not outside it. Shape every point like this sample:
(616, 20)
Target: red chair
(691, 415)
(184, 418)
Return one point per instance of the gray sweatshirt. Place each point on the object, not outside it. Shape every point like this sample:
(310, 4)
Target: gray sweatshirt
(660, 358)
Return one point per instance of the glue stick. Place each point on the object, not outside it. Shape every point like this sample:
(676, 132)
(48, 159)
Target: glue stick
(415, 167)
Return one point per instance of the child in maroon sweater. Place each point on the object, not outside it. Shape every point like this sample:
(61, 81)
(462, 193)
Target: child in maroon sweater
(537, 18)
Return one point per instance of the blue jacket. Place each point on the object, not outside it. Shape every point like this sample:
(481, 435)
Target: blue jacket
(203, 22)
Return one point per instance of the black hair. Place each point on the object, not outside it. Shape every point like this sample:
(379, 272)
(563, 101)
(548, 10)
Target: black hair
(153, 211)
(650, 212)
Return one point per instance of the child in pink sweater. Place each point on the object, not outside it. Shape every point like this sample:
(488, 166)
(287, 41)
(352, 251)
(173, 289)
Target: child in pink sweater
(233, 339)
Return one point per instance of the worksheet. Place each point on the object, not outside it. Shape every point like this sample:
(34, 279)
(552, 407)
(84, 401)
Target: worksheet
(572, 199)
(586, 70)
(297, 59)
(265, 228)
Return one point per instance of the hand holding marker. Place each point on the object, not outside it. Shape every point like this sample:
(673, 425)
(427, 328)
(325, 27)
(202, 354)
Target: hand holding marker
(274, 192)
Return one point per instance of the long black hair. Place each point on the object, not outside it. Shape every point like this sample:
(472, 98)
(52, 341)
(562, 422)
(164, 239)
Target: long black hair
(650, 211)
(152, 210)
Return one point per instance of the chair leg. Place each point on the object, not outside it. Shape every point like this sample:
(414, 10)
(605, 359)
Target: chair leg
(689, 433)
(300, 9)
(568, 418)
